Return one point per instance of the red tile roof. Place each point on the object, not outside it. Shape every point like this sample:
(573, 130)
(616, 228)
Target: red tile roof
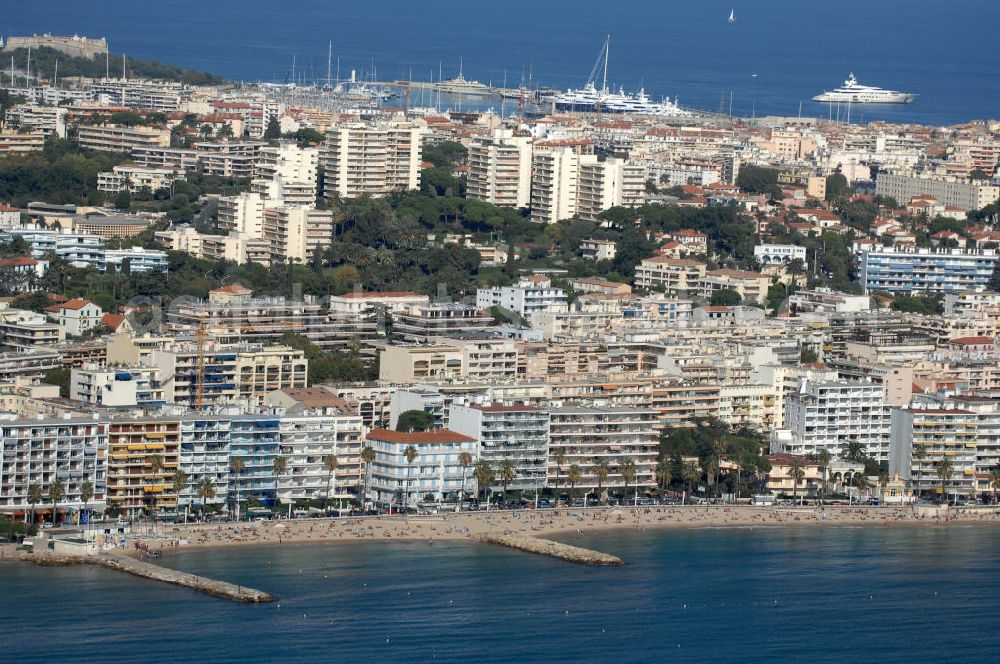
(418, 438)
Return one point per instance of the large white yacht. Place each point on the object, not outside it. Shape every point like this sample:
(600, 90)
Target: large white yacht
(853, 92)
(589, 98)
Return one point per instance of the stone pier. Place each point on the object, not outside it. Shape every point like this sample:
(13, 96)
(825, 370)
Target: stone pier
(573, 554)
(147, 570)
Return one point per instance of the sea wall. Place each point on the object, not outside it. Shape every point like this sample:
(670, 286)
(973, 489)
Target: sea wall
(573, 554)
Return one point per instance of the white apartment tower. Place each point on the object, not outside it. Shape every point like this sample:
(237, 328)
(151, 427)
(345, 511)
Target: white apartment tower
(565, 185)
(372, 159)
(500, 169)
(294, 233)
(286, 174)
(243, 213)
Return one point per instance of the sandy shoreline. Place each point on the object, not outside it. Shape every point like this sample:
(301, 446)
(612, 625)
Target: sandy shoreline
(561, 523)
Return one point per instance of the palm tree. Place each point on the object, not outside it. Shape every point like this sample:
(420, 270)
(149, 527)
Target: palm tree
(411, 455)
(883, 482)
(573, 476)
(944, 472)
(664, 474)
(464, 460)
(920, 453)
(483, 472)
(367, 458)
(56, 493)
(995, 482)
(797, 471)
(626, 466)
(691, 474)
(600, 469)
(279, 466)
(824, 458)
(155, 464)
(853, 451)
(179, 484)
(205, 490)
(860, 483)
(719, 450)
(331, 463)
(35, 496)
(559, 456)
(86, 493)
(506, 472)
(236, 465)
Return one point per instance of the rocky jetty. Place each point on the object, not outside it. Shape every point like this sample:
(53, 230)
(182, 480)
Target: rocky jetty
(573, 554)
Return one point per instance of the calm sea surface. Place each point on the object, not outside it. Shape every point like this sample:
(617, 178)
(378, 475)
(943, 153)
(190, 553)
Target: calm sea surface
(946, 51)
(766, 595)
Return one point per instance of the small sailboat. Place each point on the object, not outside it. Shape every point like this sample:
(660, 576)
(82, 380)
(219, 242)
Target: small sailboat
(732, 16)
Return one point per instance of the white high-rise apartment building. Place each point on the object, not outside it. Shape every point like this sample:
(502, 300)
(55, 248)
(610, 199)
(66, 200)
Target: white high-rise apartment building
(607, 184)
(554, 181)
(500, 169)
(243, 213)
(296, 232)
(827, 415)
(287, 174)
(566, 184)
(372, 159)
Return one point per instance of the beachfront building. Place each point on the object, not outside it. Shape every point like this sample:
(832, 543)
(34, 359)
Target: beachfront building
(435, 471)
(144, 454)
(924, 439)
(515, 434)
(582, 436)
(317, 424)
(828, 415)
(255, 441)
(44, 451)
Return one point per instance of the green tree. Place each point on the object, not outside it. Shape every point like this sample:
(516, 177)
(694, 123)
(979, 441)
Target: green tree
(559, 456)
(758, 180)
(411, 455)
(367, 459)
(573, 476)
(691, 474)
(506, 472)
(600, 469)
(236, 466)
(179, 483)
(35, 496)
(836, 187)
(627, 468)
(273, 130)
(944, 471)
(664, 474)
(56, 493)
(824, 458)
(483, 472)
(86, 494)
(725, 298)
(797, 471)
(415, 420)
(995, 482)
(59, 376)
(205, 489)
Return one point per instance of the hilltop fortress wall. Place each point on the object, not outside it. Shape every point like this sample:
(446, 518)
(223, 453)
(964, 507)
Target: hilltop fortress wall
(75, 46)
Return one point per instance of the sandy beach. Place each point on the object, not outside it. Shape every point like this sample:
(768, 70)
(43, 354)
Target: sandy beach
(559, 523)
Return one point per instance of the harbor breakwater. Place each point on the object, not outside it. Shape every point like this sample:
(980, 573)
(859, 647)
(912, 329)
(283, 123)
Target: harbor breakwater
(545, 547)
(141, 568)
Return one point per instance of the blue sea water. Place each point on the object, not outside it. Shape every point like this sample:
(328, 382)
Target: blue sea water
(946, 51)
(761, 595)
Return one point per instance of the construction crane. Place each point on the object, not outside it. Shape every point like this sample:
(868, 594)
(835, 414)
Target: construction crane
(199, 388)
